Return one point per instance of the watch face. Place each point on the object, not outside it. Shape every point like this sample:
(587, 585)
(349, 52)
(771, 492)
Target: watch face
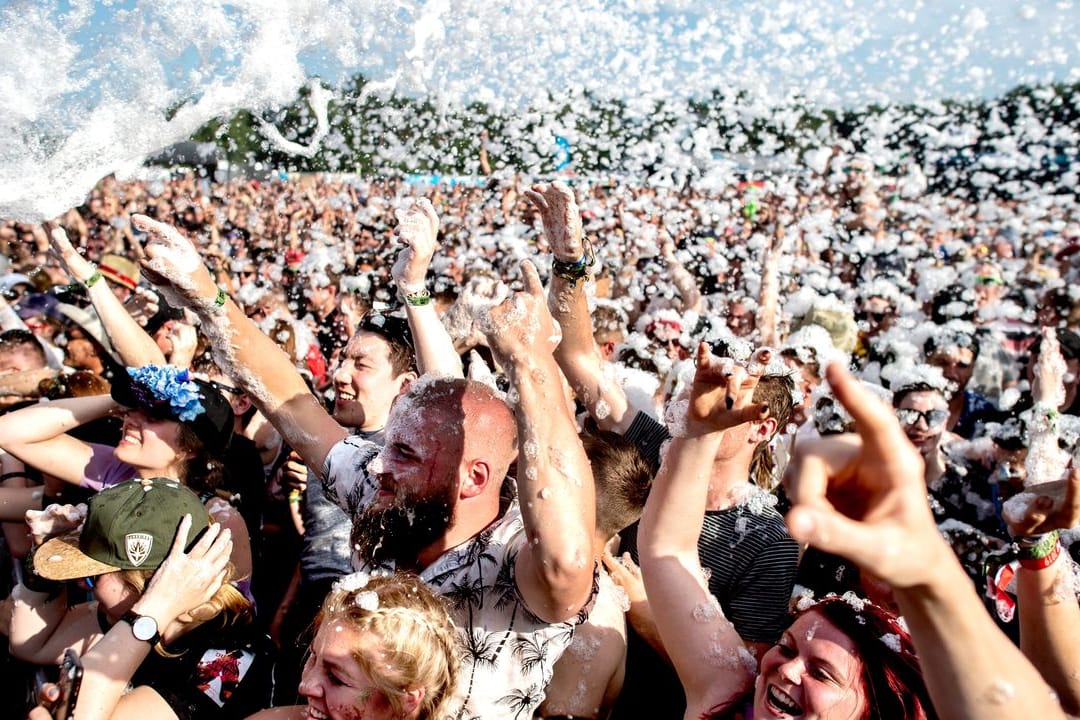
(144, 628)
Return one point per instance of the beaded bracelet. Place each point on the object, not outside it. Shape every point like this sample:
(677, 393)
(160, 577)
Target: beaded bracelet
(574, 271)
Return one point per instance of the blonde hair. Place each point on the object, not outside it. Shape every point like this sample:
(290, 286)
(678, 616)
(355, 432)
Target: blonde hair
(417, 647)
(227, 601)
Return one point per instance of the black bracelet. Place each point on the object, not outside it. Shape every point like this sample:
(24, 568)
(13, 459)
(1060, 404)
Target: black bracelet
(28, 474)
(574, 271)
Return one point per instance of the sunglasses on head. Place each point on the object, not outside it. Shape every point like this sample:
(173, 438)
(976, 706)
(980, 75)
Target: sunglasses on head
(932, 418)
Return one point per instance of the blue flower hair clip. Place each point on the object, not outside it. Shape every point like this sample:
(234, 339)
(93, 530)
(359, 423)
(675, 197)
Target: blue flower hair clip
(165, 383)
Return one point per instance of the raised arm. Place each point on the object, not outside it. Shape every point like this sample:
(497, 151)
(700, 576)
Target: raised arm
(37, 435)
(1046, 601)
(864, 497)
(577, 354)
(768, 297)
(683, 279)
(241, 349)
(418, 228)
(131, 342)
(554, 570)
(690, 622)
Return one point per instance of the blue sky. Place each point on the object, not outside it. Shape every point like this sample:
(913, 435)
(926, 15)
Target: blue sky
(87, 87)
(838, 51)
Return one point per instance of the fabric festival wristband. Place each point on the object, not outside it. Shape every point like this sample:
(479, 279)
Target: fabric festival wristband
(418, 299)
(1043, 562)
(93, 279)
(1036, 553)
(219, 301)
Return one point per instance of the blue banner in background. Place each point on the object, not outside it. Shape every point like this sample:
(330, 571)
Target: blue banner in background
(563, 155)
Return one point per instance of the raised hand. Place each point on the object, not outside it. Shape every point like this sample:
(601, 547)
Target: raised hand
(863, 496)
(721, 395)
(55, 520)
(418, 228)
(521, 325)
(1048, 386)
(626, 574)
(562, 219)
(78, 267)
(142, 305)
(174, 265)
(1046, 507)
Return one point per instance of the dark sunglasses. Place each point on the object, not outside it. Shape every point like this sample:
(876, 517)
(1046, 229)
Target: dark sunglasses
(875, 316)
(932, 418)
(222, 387)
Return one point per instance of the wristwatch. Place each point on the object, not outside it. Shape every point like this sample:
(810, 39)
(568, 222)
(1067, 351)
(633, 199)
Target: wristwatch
(143, 627)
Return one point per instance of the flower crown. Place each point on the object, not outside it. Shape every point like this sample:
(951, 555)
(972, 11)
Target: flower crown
(158, 384)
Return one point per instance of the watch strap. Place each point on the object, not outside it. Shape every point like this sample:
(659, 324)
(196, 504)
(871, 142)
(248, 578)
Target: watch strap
(131, 618)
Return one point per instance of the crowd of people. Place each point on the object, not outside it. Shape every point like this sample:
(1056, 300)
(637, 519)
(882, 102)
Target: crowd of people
(333, 447)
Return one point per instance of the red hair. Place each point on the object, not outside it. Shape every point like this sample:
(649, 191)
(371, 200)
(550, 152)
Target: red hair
(891, 674)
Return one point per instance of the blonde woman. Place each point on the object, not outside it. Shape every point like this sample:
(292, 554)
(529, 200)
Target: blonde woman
(384, 649)
(166, 635)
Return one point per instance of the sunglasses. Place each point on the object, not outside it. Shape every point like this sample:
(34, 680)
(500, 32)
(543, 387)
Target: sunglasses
(222, 387)
(948, 362)
(932, 418)
(875, 316)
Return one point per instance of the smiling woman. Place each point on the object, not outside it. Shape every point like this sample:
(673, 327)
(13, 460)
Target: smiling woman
(841, 658)
(385, 648)
(174, 426)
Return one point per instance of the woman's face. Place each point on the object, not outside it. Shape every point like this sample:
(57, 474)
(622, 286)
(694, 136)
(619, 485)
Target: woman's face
(813, 672)
(150, 444)
(334, 684)
(114, 596)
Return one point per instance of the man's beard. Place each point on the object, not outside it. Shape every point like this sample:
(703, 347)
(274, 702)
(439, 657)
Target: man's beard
(399, 532)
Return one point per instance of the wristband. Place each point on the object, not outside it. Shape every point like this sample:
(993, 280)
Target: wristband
(1039, 551)
(219, 301)
(418, 299)
(294, 497)
(90, 281)
(574, 271)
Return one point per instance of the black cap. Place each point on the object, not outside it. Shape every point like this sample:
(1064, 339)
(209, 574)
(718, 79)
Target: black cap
(169, 393)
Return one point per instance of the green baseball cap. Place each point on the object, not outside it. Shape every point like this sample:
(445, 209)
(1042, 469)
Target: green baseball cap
(130, 526)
